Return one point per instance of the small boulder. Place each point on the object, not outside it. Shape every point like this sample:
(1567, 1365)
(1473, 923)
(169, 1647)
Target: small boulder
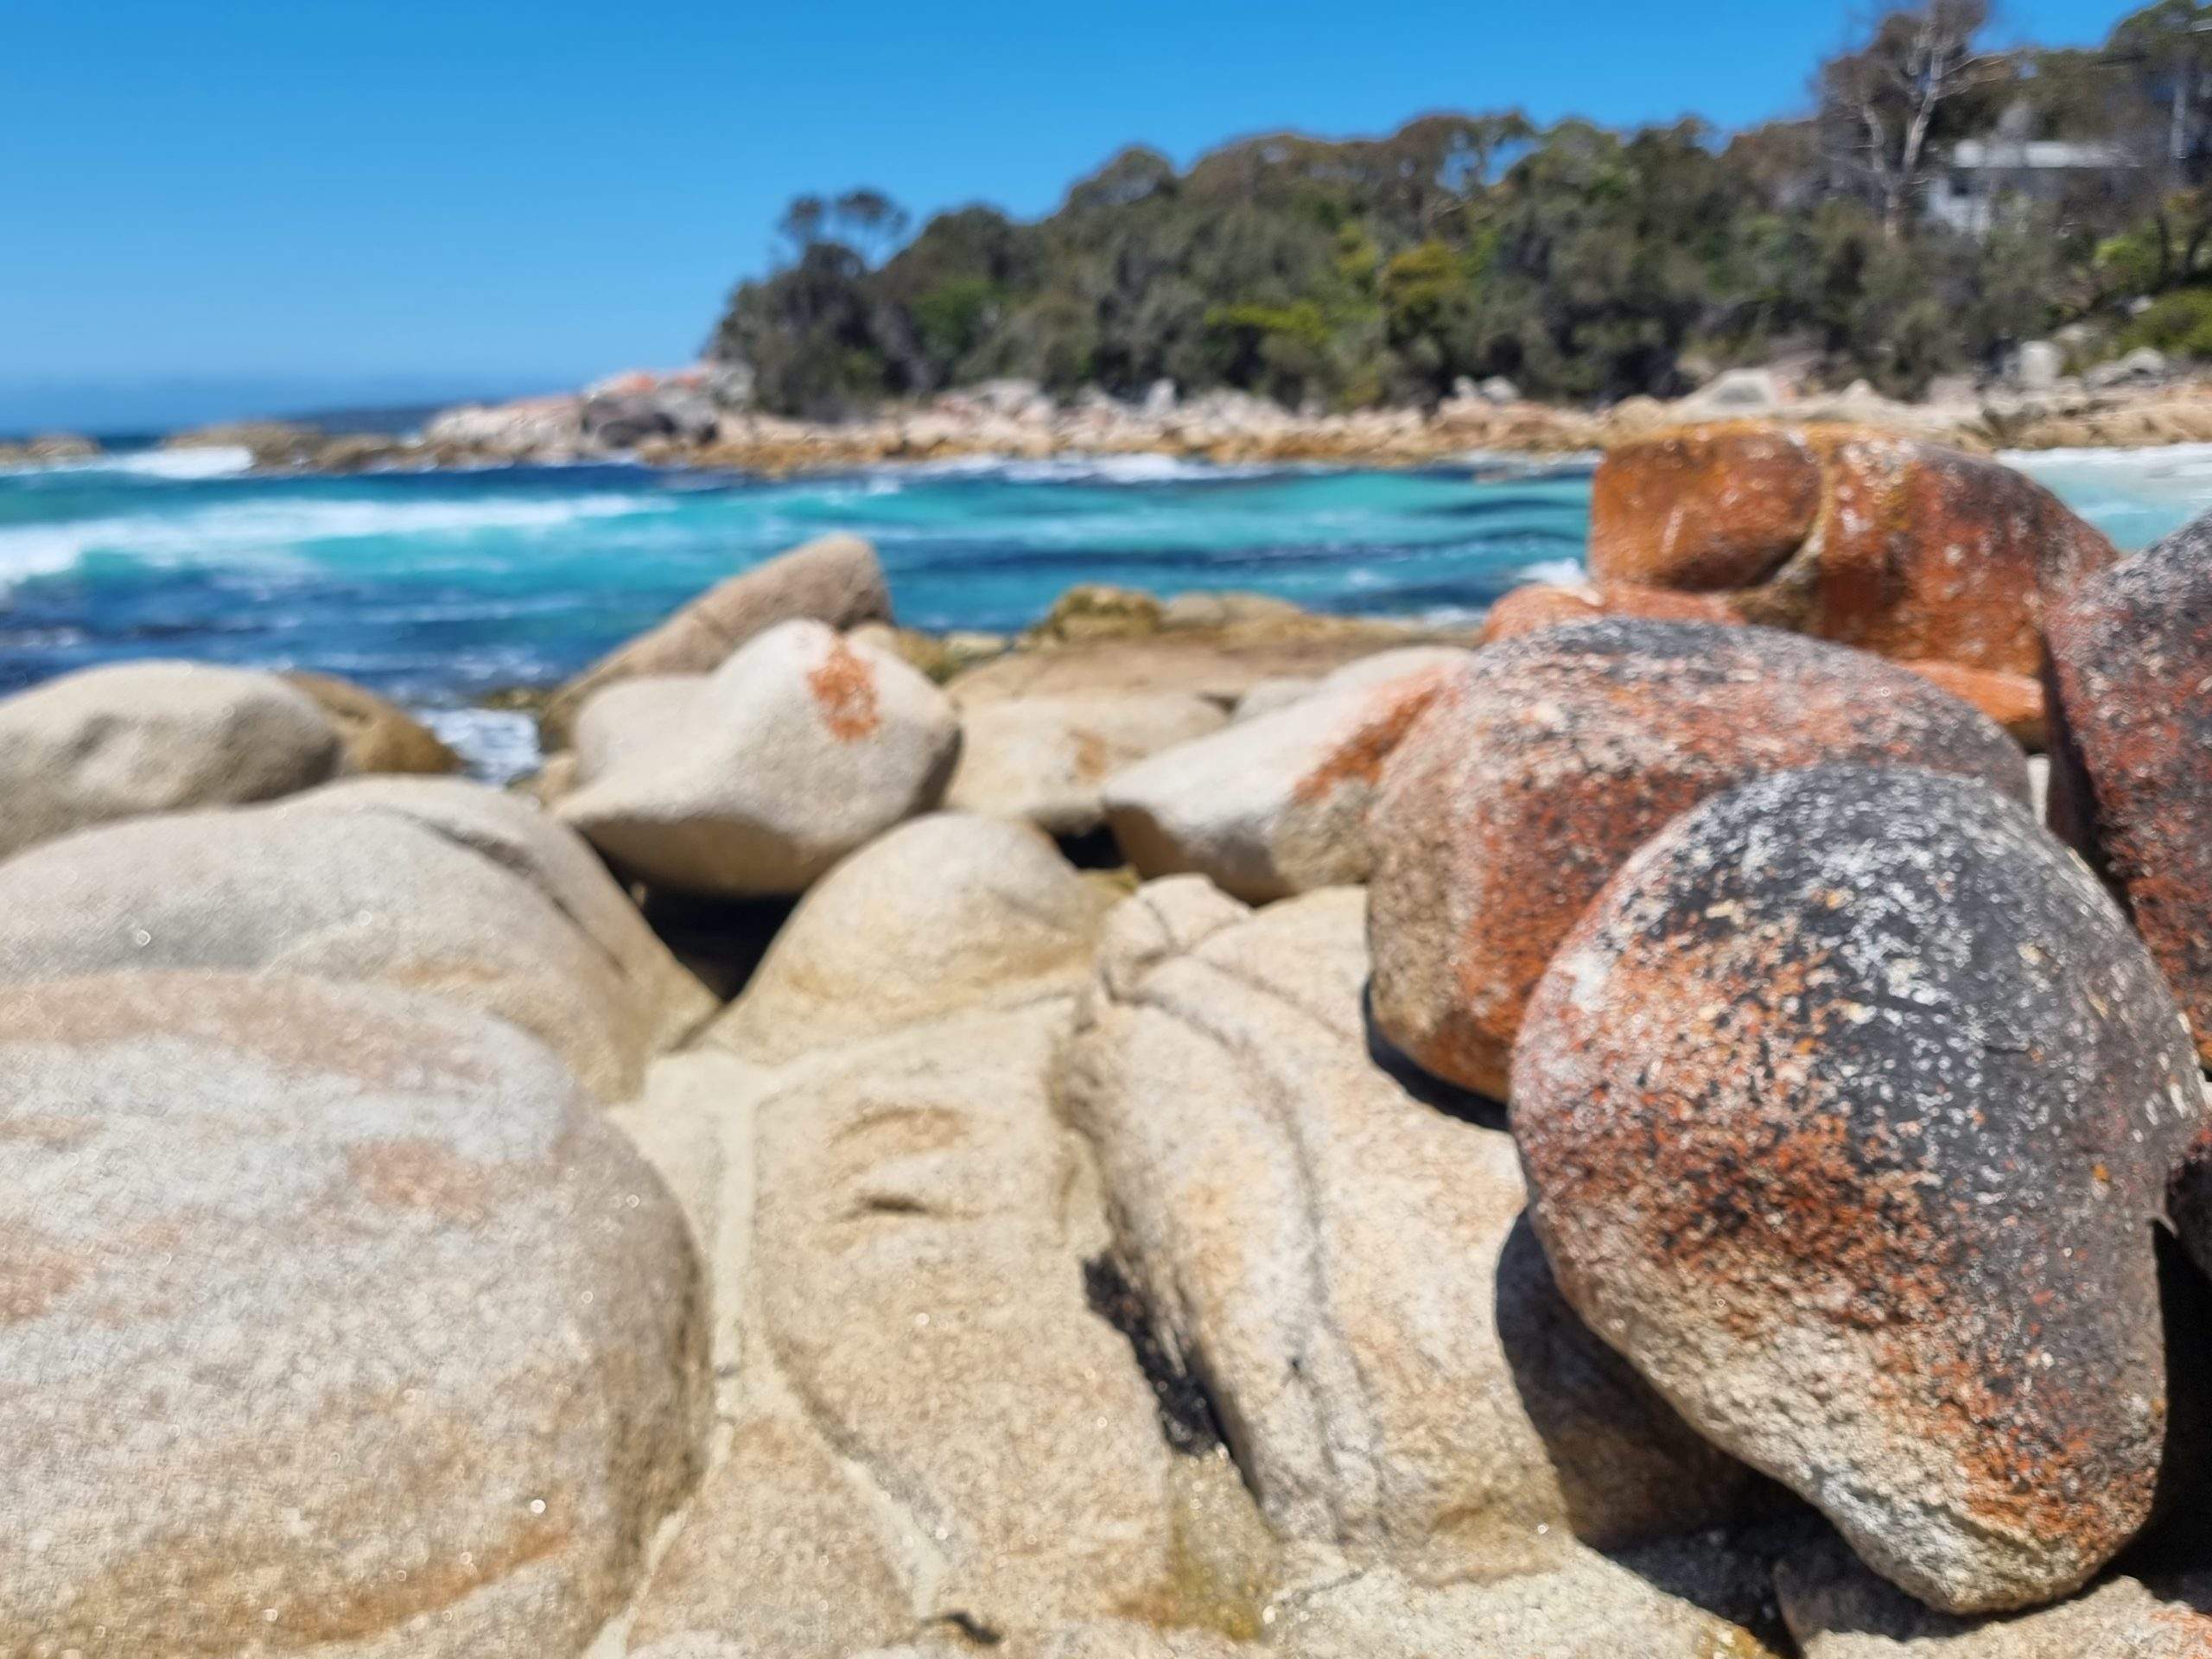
(946, 914)
(431, 884)
(2131, 654)
(1045, 759)
(835, 579)
(122, 741)
(335, 1322)
(1540, 770)
(797, 750)
(1340, 1263)
(1847, 1110)
(378, 737)
(1278, 804)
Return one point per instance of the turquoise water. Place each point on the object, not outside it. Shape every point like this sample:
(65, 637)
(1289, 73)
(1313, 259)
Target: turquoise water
(438, 587)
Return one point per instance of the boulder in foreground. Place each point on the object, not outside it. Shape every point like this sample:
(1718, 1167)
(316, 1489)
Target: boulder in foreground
(333, 1320)
(1339, 1261)
(836, 580)
(1541, 769)
(1046, 759)
(123, 742)
(2131, 665)
(1849, 1109)
(800, 749)
(428, 884)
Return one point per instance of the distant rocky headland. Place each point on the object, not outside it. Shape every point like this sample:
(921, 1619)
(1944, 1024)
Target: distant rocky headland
(696, 417)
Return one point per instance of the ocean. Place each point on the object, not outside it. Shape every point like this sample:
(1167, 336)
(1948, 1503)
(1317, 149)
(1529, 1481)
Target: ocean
(438, 588)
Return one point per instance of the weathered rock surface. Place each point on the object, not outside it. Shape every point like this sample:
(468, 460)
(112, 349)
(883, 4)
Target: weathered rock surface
(424, 884)
(1847, 1110)
(1537, 773)
(797, 750)
(619, 722)
(1903, 548)
(241, 1222)
(836, 580)
(122, 741)
(2132, 670)
(921, 1221)
(1837, 1610)
(379, 736)
(1045, 759)
(946, 914)
(1278, 804)
(1338, 1261)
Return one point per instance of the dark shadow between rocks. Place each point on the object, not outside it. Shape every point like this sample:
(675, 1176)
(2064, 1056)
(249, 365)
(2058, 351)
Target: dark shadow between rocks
(2179, 1536)
(1595, 1415)
(1094, 849)
(1187, 1418)
(1433, 1092)
(721, 940)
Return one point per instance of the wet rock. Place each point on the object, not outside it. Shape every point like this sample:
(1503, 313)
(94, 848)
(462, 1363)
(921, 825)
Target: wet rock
(797, 750)
(119, 742)
(1903, 548)
(946, 914)
(1278, 804)
(1337, 1261)
(426, 884)
(241, 1222)
(378, 737)
(2132, 671)
(1044, 760)
(836, 580)
(1847, 1109)
(1539, 773)
(1837, 1610)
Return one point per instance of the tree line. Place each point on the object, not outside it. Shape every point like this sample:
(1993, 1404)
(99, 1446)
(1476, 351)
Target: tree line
(1581, 263)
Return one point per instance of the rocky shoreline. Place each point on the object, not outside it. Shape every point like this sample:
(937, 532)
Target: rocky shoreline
(674, 420)
(1674, 1124)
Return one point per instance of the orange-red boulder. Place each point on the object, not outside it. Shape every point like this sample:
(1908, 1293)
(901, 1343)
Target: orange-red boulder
(1541, 768)
(2131, 671)
(1542, 605)
(1945, 560)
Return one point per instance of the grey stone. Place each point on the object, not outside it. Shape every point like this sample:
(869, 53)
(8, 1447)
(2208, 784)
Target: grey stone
(1045, 759)
(122, 741)
(334, 1321)
(1847, 1110)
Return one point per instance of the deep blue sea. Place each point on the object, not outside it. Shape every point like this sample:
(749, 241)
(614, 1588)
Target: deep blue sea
(437, 587)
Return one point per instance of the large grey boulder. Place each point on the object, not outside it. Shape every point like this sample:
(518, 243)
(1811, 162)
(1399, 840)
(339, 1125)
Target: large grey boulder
(1338, 1261)
(1278, 804)
(1849, 1109)
(800, 749)
(135, 738)
(833, 579)
(1044, 759)
(432, 886)
(943, 915)
(334, 1322)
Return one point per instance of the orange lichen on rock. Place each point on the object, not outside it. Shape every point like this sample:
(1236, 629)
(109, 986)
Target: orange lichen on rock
(1846, 1108)
(844, 687)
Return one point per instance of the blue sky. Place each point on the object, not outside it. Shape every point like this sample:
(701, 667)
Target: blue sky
(255, 204)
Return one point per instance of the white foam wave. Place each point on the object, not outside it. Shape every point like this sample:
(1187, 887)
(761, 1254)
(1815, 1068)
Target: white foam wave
(278, 533)
(1559, 573)
(1084, 469)
(497, 745)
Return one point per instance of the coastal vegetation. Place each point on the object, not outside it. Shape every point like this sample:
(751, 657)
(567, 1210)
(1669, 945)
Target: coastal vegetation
(1584, 264)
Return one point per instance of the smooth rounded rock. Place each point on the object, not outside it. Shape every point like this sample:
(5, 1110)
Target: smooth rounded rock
(1847, 1111)
(800, 749)
(1044, 760)
(334, 1321)
(137, 738)
(1540, 770)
